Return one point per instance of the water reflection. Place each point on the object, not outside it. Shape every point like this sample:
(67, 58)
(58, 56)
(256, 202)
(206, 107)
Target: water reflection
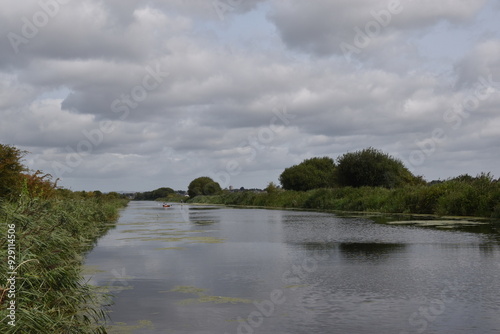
(369, 251)
(203, 215)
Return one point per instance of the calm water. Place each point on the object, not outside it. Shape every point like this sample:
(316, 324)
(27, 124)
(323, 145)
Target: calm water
(205, 269)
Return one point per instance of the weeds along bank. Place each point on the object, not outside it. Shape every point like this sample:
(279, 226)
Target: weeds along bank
(50, 240)
(478, 197)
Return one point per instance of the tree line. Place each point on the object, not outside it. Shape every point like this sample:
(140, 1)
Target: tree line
(365, 180)
(365, 168)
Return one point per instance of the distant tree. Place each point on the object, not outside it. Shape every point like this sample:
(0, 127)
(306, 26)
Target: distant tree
(310, 174)
(114, 195)
(155, 194)
(162, 192)
(372, 167)
(11, 170)
(203, 186)
(466, 178)
(272, 188)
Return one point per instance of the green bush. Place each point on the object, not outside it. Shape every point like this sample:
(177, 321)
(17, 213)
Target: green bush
(310, 174)
(373, 168)
(203, 186)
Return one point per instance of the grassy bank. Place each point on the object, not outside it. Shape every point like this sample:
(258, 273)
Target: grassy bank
(51, 238)
(479, 197)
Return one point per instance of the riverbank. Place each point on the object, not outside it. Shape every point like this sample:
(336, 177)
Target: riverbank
(449, 198)
(41, 284)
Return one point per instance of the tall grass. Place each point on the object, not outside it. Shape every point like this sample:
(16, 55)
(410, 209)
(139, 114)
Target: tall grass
(463, 196)
(52, 237)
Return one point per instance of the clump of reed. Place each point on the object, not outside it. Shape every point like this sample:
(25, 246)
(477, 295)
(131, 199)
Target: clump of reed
(52, 236)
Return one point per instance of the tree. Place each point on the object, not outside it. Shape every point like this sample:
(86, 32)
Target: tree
(272, 188)
(372, 167)
(163, 192)
(11, 169)
(203, 186)
(310, 174)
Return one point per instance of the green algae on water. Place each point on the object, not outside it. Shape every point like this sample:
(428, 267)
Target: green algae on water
(215, 300)
(188, 289)
(436, 223)
(205, 240)
(204, 298)
(124, 328)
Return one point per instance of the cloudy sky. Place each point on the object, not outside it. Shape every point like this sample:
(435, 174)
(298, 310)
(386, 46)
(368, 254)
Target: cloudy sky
(136, 95)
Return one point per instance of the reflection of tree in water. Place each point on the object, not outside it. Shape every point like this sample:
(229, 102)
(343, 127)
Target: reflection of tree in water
(319, 246)
(369, 251)
(361, 251)
(202, 215)
(489, 249)
(203, 222)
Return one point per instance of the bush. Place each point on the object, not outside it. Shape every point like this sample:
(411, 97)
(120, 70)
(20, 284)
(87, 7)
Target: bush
(310, 174)
(203, 186)
(11, 169)
(373, 168)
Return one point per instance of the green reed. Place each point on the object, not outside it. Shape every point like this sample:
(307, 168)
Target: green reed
(52, 237)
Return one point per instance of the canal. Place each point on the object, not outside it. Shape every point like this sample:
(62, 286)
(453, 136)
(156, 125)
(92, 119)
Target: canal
(211, 269)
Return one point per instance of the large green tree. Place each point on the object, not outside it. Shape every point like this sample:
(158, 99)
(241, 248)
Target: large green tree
(310, 174)
(203, 186)
(374, 168)
(11, 170)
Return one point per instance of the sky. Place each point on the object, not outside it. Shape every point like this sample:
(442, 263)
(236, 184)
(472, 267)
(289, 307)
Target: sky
(134, 95)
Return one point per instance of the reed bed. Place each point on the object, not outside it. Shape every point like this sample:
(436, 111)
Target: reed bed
(52, 237)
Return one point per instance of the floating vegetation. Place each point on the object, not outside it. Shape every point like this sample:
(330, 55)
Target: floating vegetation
(91, 270)
(437, 223)
(188, 289)
(139, 230)
(205, 240)
(142, 238)
(124, 328)
(215, 300)
(204, 298)
(296, 286)
(107, 289)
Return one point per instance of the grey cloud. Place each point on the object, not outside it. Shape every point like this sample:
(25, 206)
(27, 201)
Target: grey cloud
(480, 64)
(321, 27)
